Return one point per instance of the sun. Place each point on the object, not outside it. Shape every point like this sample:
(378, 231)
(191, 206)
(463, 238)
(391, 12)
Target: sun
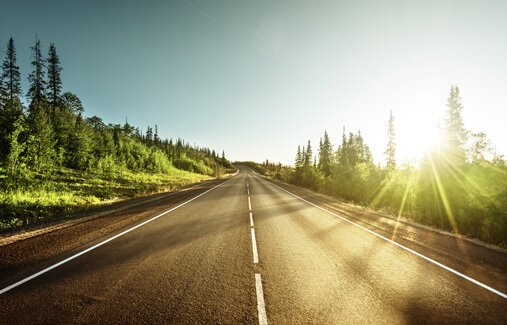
(415, 140)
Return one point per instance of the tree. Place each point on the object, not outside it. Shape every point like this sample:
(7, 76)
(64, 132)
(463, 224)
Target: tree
(341, 153)
(325, 154)
(479, 146)
(72, 103)
(308, 155)
(149, 136)
(8, 117)
(3, 95)
(156, 139)
(16, 147)
(391, 144)
(299, 159)
(41, 143)
(79, 147)
(11, 74)
(37, 81)
(54, 79)
(454, 133)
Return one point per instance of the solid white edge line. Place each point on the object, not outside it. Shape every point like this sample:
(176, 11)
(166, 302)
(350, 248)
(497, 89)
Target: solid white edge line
(503, 295)
(251, 220)
(254, 247)
(33, 276)
(261, 308)
(249, 204)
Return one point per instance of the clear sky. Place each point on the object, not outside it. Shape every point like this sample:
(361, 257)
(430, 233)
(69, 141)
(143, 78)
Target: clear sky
(257, 78)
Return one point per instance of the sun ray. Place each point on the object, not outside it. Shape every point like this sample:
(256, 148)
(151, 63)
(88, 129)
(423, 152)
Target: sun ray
(402, 206)
(443, 196)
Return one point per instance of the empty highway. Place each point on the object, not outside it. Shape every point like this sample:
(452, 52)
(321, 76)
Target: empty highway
(246, 250)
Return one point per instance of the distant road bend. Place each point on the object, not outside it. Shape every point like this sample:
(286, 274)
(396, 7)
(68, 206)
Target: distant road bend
(247, 250)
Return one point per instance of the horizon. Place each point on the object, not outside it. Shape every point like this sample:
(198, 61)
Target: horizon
(258, 79)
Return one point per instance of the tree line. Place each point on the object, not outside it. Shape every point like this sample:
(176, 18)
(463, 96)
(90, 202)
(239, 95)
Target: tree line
(460, 185)
(51, 132)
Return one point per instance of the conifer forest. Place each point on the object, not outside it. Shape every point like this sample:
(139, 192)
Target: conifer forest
(54, 160)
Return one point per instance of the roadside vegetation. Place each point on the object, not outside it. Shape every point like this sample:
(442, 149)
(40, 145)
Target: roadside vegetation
(460, 185)
(53, 160)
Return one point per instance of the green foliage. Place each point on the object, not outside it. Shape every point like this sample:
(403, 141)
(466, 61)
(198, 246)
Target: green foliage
(41, 138)
(15, 148)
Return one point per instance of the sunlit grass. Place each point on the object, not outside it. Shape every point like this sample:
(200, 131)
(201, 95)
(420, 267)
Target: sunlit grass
(70, 191)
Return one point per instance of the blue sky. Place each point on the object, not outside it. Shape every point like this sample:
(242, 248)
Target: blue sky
(257, 78)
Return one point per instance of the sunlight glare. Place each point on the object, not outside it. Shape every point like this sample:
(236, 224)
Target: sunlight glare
(416, 139)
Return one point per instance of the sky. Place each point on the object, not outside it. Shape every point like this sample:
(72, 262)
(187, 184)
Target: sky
(258, 78)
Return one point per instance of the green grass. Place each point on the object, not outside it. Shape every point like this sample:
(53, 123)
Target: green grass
(66, 191)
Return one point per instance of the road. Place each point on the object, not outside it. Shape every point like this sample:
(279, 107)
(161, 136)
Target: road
(250, 252)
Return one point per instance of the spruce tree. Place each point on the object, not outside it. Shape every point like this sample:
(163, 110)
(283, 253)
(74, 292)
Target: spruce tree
(325, 152)
(299, 159)
(341, 153)
(308, 155)
(54, 79)
(36, 92)
(391, 144)
(11, 74)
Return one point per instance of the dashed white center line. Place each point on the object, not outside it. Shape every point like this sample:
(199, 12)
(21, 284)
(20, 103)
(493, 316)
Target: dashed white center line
(261, 308)
(254, 247)
(263, 320)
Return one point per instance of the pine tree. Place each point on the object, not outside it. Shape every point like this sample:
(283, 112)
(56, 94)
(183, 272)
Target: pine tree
(54, 79)
(455, 134)
(36, 92)
(11, 74)
(391, 144)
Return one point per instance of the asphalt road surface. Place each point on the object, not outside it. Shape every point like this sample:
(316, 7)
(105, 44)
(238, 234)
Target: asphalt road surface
(248, 252)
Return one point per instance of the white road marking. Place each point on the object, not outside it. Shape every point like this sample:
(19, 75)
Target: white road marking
(254, 247)
(503, 295)
(249, 204)
(251, 220)
(261, 308)
(248, 191)
(33, 276)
